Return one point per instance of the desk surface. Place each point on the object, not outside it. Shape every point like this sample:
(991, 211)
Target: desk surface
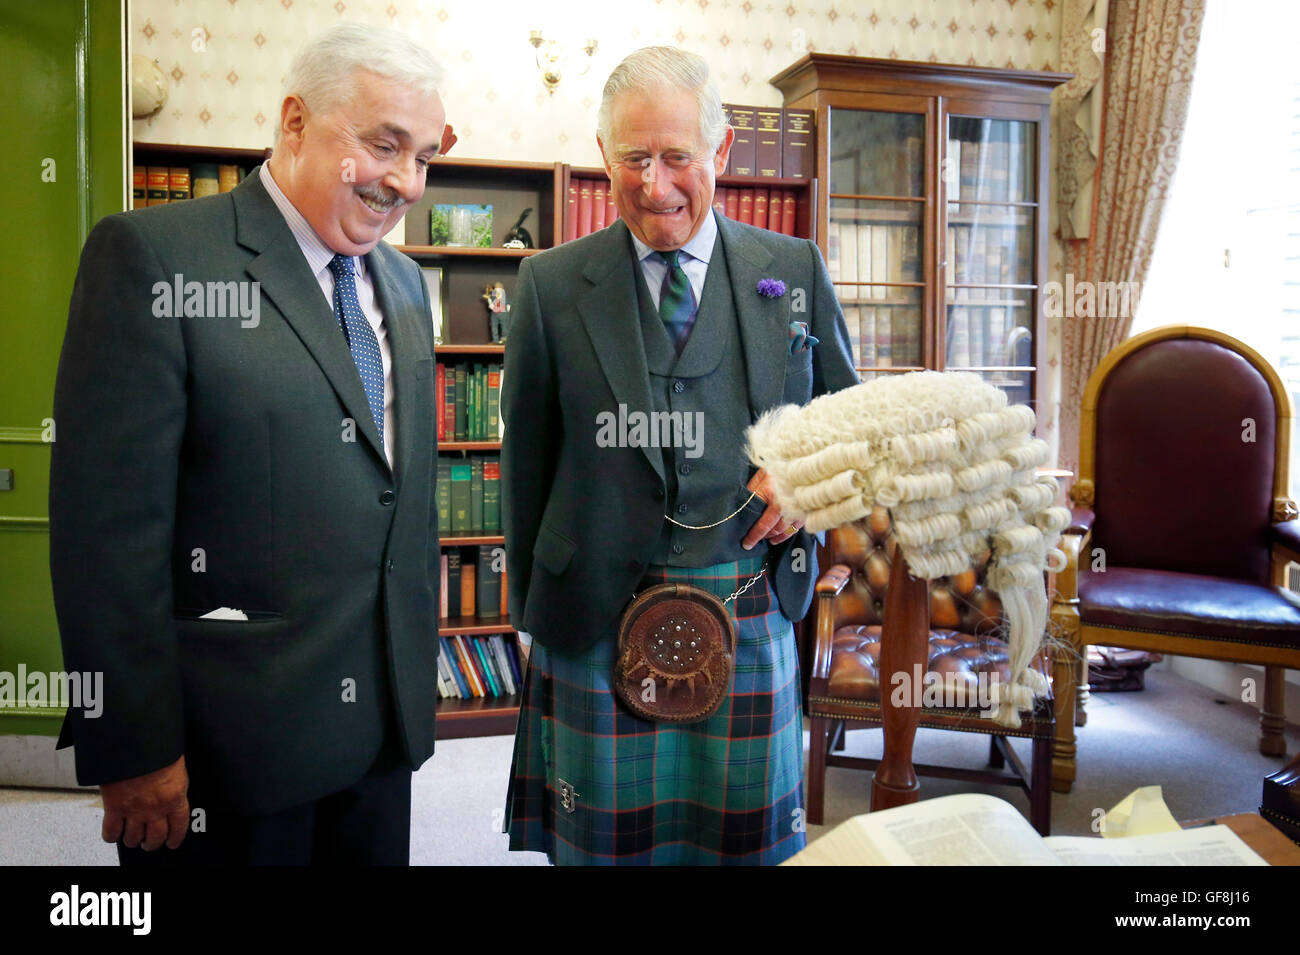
(1258, 833)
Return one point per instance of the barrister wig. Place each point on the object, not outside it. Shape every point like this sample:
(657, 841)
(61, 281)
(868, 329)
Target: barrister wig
(955, 467)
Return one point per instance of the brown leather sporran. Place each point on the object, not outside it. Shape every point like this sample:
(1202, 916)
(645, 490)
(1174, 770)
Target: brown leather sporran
(676, 646)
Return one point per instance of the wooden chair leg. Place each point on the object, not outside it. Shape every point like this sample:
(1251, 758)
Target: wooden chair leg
(996, 759)
(1064, 676)
(1272, 715)
(1040, 787)
(904, 642)
(816, 795)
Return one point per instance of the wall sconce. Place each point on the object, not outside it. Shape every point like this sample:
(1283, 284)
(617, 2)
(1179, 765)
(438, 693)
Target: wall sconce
(553, 60)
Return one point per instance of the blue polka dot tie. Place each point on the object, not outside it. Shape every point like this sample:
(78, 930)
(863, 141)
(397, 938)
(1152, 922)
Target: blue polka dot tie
(676, 300)
(360, 337)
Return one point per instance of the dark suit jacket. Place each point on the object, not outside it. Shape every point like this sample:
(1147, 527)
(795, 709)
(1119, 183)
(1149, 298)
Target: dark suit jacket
(198, 464)
(581, 521)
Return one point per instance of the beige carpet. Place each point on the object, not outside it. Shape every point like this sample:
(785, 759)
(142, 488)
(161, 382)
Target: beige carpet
(1199, 746)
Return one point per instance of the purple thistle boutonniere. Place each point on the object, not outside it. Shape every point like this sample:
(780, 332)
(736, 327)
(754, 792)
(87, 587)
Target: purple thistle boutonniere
(771, 288)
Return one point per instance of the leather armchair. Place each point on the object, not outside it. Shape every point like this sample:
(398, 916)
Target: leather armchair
(844, 678)
(1182, 528)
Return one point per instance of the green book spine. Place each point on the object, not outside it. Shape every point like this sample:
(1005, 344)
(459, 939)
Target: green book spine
(462, 403)
(473, 403)
(487, 583)
(480, 396)
(492, 494)
(476, 493)
(444, 495)
(460, 497)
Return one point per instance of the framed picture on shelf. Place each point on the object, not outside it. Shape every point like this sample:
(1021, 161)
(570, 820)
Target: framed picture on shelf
(433, 278)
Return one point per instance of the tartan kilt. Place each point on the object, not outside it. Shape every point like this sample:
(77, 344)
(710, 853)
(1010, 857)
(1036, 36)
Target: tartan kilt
(727, 790)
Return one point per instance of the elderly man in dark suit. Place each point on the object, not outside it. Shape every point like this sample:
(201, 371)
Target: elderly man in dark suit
(677, 313)
(243, 527)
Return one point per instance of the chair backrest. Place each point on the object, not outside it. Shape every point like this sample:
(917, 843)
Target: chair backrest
(961, 602)
(1183, 437)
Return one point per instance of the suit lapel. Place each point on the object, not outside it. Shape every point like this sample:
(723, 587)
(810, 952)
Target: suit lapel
(286, 280)
(610, 314)
(763, 321)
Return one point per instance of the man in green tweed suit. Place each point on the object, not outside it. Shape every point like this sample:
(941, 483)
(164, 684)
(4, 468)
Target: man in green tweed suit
(637, 358)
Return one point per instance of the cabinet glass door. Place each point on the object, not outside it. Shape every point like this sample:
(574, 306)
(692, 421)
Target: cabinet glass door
(989, 174)
(875, 234)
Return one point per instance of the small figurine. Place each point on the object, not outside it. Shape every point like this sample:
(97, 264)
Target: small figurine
(518, 237)
(498, 311)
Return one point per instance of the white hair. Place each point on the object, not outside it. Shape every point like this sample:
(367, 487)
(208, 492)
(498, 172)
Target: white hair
(663, 68)
(324, 72)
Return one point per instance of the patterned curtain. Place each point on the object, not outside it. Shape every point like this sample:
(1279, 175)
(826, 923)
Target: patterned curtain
(1120, 126)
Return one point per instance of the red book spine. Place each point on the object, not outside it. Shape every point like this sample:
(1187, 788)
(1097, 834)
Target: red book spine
(747, 206)
(733, 204)
(720, 200)
(440, 385)
(760, 208)
(571, 221)
(789, 206)
(598, 198)
(584, 208)
(611, 210)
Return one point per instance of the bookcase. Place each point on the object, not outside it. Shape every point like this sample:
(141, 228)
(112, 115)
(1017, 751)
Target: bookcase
(933, 220)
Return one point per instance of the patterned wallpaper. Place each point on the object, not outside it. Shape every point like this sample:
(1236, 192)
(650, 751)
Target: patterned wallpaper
(226, 61)
(226, 58)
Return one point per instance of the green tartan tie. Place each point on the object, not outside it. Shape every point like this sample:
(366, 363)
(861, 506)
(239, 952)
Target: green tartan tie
(676, 300)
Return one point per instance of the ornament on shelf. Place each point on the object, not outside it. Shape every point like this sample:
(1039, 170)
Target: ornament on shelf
(498, 311)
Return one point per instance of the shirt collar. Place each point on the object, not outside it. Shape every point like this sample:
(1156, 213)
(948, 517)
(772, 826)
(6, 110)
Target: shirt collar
(699, 247)
(317, 253)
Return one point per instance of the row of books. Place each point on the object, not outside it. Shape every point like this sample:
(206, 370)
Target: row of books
(474, 667)
(158, 185)
(473, 582)
(884, 336)
(591, 207)
(469, 494)
(774, 209)
(468, 400)
(989, 255)
(770, 141)
(872, 253)
(992, 167)
(986, 335)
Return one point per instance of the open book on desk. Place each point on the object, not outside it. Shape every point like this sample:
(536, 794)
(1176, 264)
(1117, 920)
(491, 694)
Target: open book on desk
(974, 829)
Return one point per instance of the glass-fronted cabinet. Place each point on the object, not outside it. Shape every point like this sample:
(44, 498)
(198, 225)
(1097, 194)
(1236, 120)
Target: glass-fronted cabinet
(934, 219)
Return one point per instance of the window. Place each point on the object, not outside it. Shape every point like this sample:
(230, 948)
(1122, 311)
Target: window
(1228, 252)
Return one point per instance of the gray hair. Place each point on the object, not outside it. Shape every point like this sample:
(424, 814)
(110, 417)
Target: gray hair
(324, 71)
(662, 68)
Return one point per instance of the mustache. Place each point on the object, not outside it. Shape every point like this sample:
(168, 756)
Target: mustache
(379, 195)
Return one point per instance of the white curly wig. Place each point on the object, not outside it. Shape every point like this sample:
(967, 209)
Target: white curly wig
(956, 468)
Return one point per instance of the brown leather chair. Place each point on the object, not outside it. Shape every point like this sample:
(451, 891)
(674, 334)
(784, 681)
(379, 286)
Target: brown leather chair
(1182, 525)
(844, 681)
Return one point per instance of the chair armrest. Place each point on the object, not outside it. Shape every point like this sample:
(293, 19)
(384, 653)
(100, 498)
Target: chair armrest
(834, 580)
(1081, 519)
(1067, 578)
(1285, 538)
(828, 588)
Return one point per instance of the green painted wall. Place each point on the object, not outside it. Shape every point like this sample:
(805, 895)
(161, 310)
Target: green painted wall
(63, 116)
